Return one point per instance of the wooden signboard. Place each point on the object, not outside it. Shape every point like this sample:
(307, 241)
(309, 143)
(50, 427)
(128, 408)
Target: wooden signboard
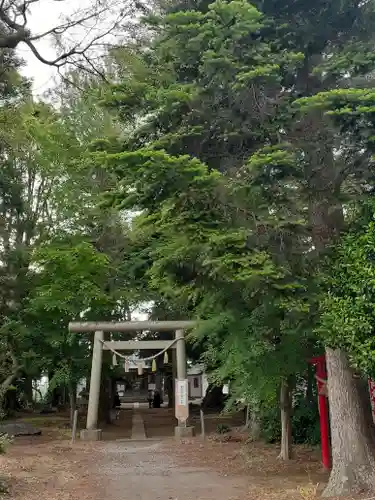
(182, 400)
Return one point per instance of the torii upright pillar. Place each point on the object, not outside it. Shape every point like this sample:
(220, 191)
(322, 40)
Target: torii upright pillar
(95, 381)
(182, 389)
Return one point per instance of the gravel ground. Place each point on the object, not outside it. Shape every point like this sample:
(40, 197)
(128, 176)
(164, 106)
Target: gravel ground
(143, 471)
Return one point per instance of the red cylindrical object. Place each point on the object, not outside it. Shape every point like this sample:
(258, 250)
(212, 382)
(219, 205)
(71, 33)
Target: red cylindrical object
(323, 412)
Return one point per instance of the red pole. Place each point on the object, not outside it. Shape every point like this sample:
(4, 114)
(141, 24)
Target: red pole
(321, 372)
(371, 387)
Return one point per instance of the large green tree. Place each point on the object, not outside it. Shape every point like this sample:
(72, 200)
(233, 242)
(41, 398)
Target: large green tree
(71, 284)
(253, 94)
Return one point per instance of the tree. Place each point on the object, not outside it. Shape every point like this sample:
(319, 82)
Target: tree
(193, 103)
(347, 321)
(253, 94)
(43, 192)
(209, 268)
(109, 15)
(70, 285)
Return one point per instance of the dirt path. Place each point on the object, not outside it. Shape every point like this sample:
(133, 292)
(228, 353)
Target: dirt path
(114, 470)
(143, 471)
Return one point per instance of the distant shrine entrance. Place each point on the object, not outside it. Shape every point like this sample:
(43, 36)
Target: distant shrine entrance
(92, 432)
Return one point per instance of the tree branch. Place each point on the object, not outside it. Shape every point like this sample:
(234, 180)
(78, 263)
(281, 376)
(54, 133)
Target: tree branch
(14, 17)
(16, 368)
(59, 30)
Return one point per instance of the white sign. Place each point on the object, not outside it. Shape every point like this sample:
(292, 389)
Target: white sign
(182, 400)
(226, 389)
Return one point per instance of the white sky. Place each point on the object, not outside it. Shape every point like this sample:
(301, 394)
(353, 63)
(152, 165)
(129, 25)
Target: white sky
(46, 14)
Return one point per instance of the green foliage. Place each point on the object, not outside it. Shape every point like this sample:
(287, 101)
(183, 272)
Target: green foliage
(249, 135)
(222, 429)
(305, 424)
(247, 138)
(5, 441)
(347, 311)
(71, 279)
(59, 252)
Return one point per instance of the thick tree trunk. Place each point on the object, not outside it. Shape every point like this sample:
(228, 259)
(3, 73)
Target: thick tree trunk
(286, 421)
(353, 451)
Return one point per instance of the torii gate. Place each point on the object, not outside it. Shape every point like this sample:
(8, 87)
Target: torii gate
(182, 403)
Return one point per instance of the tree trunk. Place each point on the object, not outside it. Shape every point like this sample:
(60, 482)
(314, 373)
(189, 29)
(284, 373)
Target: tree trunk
(214, 398)
(169, 387)
(28, 389)
(72, 402)
(105, 400)
(8, 382)
(253, 423)
(353, 452)
(311, 382)
(105, 403)
(286, 421)
(171, 384)
(4, 386)
(158, 382)
(55, 393)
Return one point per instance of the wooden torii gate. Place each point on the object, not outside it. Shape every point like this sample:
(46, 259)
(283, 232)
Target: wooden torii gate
(182, 403)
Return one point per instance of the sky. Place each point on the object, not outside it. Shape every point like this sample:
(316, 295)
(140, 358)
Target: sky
(46, 14)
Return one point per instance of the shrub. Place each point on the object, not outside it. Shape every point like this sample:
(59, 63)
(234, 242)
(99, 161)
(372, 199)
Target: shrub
(4, 443)
(222, 429)
(305, 424)
(270, 429)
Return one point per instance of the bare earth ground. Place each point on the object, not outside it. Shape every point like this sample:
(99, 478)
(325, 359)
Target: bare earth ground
(49, 468)
(126, 470)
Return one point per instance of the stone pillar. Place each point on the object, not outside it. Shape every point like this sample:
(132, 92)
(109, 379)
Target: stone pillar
(181, 356)
(182, 430)
(92, 432)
